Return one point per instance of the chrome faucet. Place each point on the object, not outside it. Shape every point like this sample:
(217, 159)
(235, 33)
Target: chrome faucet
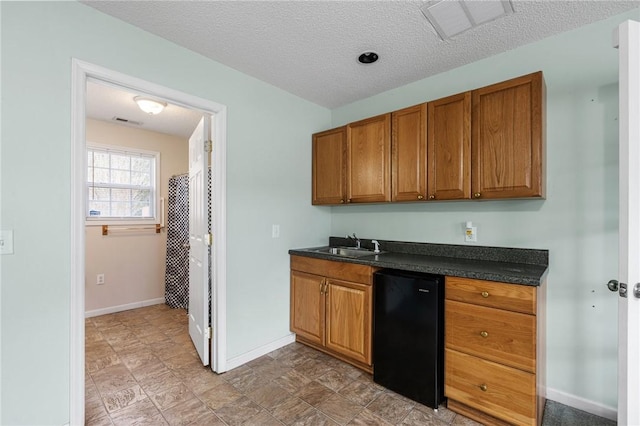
(356, 239)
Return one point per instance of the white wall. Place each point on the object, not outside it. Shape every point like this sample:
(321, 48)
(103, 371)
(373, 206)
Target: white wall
(578, 222)
(268, 161)
(133, 262)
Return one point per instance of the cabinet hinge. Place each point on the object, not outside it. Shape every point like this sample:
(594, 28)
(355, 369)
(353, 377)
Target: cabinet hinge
(208, 239)
(208, 146)
(208, 332)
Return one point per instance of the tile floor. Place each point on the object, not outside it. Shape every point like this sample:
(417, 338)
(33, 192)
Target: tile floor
(142, 369)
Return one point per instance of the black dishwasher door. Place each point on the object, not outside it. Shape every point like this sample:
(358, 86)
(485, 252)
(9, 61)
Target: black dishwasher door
(408, 335)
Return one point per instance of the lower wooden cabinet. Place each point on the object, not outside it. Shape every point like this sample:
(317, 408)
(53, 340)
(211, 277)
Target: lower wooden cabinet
(494, 369)
(331, 308)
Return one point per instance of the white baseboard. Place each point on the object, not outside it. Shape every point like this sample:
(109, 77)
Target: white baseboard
(592, 407)
(258, 352)
(120, 308)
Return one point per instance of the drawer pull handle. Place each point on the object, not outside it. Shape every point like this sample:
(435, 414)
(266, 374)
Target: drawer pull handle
(485, 294)
(484, 334)
(483, 387)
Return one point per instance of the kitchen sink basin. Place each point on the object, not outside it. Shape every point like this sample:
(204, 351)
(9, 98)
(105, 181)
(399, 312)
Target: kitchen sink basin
(345, 251)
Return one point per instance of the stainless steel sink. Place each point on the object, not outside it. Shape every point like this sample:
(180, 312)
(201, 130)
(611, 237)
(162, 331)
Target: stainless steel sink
(345, 251)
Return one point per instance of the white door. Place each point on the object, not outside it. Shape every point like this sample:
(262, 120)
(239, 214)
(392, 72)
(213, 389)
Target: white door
(198, 240)
(629, 239)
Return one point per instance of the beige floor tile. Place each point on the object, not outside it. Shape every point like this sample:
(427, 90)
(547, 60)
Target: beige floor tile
(390, 407)
(339, 408)
(419, 418)
(220, 396)
(171, 396)
(239, 411)
(142, 413)
(123, 398)
(158, 383)
(291, 409)
(262, 419)
(312, 368)
(443, 413)
(203, 381)
(269, 395)
(292, 381)
(314, 393)
(334, 380)
(314, 418)
(360, 392)
(113, 378)
(367, 418)
(191, 412)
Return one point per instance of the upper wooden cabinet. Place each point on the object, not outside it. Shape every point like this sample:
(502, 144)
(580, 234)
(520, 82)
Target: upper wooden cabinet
(329, 166)
(449, 147)
(507, 127)
(368, 160)
(483, 144)
(409, 154)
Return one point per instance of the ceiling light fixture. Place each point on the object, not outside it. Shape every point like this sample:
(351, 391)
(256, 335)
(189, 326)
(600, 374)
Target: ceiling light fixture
(452, 17)
(150, 106)
(368, 57)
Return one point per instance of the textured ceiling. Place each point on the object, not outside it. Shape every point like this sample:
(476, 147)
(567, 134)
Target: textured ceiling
(309, 48)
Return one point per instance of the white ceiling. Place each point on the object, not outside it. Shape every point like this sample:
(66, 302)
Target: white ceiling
(106, 103)
(309, 48)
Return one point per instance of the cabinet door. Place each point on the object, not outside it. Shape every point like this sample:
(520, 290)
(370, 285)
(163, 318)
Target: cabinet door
(307, 306)
(368, 160)
(508, 139)
(348, 319)
(409, 154)
(449, 148)
(329, 168)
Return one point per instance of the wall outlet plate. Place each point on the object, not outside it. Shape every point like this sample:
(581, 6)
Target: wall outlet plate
(6, 242)
(471, 235)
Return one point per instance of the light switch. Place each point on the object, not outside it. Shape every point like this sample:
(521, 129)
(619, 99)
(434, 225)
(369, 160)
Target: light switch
(6, 242)
(275, 231)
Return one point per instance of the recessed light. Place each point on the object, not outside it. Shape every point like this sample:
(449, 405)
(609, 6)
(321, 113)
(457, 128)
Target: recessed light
(368, 57)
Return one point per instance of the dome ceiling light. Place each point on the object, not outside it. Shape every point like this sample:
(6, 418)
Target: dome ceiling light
(150, 106)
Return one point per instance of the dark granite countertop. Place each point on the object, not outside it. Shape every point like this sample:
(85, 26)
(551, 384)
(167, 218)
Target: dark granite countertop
(509, 265)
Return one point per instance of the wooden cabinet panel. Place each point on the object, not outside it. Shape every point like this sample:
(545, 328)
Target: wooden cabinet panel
(339, 270)
(329, 166)
(368, 160)
(307, 306)
(331, 308)
(508, 139)
(513, 297)
(449, 148)
(494, 334)
(348, 319)
(409, 154)
(503, 392)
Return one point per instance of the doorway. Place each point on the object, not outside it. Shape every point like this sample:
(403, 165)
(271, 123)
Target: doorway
(81, 73)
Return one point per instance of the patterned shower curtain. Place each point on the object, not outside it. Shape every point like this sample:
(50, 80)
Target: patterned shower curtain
(176, 281)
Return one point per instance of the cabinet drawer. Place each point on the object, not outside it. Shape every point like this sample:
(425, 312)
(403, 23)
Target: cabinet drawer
(494, 334)
(512, 297)
(506, 393)
(330, 269)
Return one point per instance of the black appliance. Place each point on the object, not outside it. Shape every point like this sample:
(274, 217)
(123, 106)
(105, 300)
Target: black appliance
(408, 335)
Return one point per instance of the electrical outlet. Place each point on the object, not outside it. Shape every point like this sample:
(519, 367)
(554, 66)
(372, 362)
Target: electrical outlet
(471, 234)
(100, 279)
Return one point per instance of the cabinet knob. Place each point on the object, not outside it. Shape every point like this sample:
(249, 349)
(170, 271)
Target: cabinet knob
(476, 195)
(485, 294)
(484, 334)
(432, 197)
(341, 201)
(348, 200)
(420, 197)
(483, 387)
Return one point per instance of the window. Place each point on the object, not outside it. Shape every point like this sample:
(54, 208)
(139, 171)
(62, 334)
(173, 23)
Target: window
(122, 184)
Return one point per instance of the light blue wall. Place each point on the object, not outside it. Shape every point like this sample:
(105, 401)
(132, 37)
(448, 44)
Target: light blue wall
(269, 181)
(578, 221)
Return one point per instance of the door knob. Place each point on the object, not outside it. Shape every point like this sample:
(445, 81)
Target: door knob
(613, 285)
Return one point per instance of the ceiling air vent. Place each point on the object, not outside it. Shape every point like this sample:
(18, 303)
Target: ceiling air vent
(126, 121)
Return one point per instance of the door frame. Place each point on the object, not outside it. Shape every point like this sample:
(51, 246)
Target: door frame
(626, 38)
(80, 72)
